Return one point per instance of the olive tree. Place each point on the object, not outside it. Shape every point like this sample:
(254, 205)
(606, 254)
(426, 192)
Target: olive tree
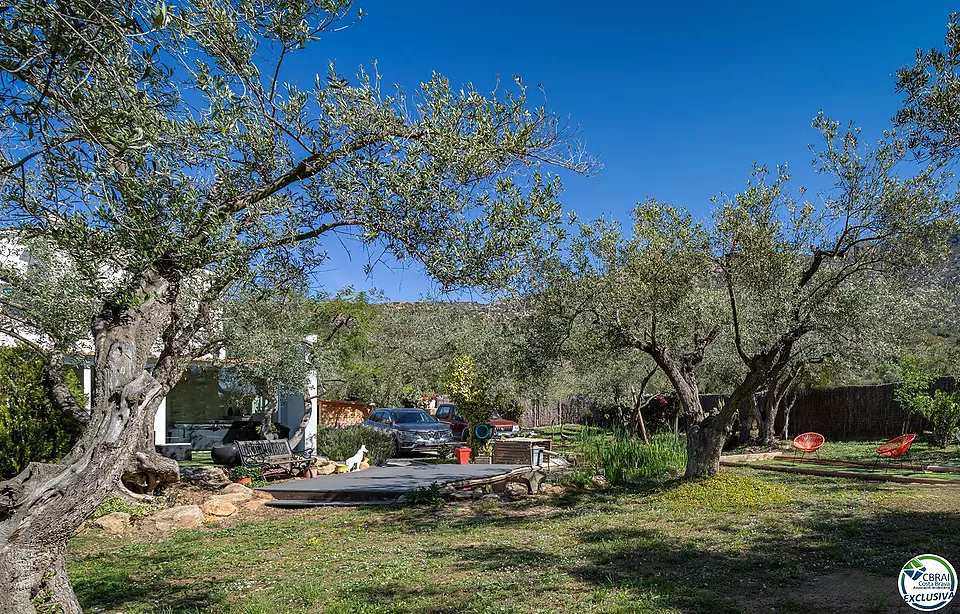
(658, 292)
(266, 342)
(557, 348)
(156, 158)
(808, 279)
(783, 279)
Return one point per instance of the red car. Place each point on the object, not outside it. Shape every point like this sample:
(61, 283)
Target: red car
(447, 414)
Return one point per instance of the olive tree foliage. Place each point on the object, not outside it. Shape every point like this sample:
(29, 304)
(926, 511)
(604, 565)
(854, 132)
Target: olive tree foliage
(930, 119)
(931, 89)
(267, 349)
(657, 291)
(810, 279)
(279, 343)
(558, 352)
(158, 158)
(782, 280)
(405, 349)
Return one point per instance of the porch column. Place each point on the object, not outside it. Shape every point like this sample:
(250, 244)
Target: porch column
(88, 384)
(160, 424)
(310, 433)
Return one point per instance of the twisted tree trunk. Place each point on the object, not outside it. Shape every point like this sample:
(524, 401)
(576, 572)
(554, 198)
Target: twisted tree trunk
(41, 508)
(44, 506)
(268, 392)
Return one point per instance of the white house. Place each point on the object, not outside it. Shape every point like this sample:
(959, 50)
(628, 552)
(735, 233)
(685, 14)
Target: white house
(206, 406)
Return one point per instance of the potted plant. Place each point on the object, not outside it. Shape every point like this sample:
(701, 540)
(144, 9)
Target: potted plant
(246, 475)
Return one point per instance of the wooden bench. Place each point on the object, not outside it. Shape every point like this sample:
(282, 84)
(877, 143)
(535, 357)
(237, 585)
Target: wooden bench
(273, 455)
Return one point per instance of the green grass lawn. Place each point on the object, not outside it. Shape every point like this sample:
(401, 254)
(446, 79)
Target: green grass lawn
(748, 542)
(199, 458)
(922, 450)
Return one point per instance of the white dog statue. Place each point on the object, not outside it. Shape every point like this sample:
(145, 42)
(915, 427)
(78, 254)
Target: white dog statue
(353, 463)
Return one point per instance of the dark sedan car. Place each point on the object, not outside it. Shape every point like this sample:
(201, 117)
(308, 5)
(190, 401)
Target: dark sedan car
(413, 430)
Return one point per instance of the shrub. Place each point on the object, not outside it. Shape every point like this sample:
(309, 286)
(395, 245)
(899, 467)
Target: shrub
(468, 390)
(238, 473)
(426, 496)
(941, 410)
(114, 503)
(341, 443)
(623, 458)
(943, 414)
(31, 428)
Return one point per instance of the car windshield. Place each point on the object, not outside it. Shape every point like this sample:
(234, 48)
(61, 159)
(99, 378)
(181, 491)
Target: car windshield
(412, 417)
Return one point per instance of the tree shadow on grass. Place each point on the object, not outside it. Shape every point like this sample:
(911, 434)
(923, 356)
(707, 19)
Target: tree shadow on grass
(775, 568)
(103, 582)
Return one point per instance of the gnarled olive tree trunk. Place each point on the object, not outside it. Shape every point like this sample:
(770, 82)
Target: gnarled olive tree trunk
(43, 507)
(706, 430)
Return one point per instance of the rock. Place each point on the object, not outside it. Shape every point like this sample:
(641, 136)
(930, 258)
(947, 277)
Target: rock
(546, 488)
(363, 466)
(260, 494)
(327, 469)
(114, 523)
(204, 477)
(460, 495)
(236, 489)
(516, 490)
(599, 481)
(490, 497)
(253, 505)
(236, 498)
(219, 506)
(145, 472)
(172, 518)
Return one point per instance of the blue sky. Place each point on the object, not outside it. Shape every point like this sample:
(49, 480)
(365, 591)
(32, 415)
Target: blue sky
(677, 100)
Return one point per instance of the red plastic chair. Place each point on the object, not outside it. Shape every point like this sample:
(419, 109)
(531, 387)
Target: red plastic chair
(895, 449)
(807, 443)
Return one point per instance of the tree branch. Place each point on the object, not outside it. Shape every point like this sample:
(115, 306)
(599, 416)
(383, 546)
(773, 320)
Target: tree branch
(60, 392)
(308, 167)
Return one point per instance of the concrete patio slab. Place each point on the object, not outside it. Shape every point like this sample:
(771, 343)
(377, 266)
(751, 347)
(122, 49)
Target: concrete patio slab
(384, 485)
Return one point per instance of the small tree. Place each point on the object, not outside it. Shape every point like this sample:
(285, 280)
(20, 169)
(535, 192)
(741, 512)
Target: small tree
(940, 409)
(267, 349)
(469, 393)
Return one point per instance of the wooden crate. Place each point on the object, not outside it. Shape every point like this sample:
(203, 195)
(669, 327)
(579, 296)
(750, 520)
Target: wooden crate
(517, 450)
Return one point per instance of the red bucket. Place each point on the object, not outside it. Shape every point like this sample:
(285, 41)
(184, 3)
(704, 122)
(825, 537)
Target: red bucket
(463, 455)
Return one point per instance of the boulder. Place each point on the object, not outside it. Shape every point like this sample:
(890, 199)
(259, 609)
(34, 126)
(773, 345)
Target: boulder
(204, 477)
(114, 523)
(236, 489)
(219, 506)
(147, 472)
(516, 490)
(327, 469)
(599, 481)
(172, 518)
